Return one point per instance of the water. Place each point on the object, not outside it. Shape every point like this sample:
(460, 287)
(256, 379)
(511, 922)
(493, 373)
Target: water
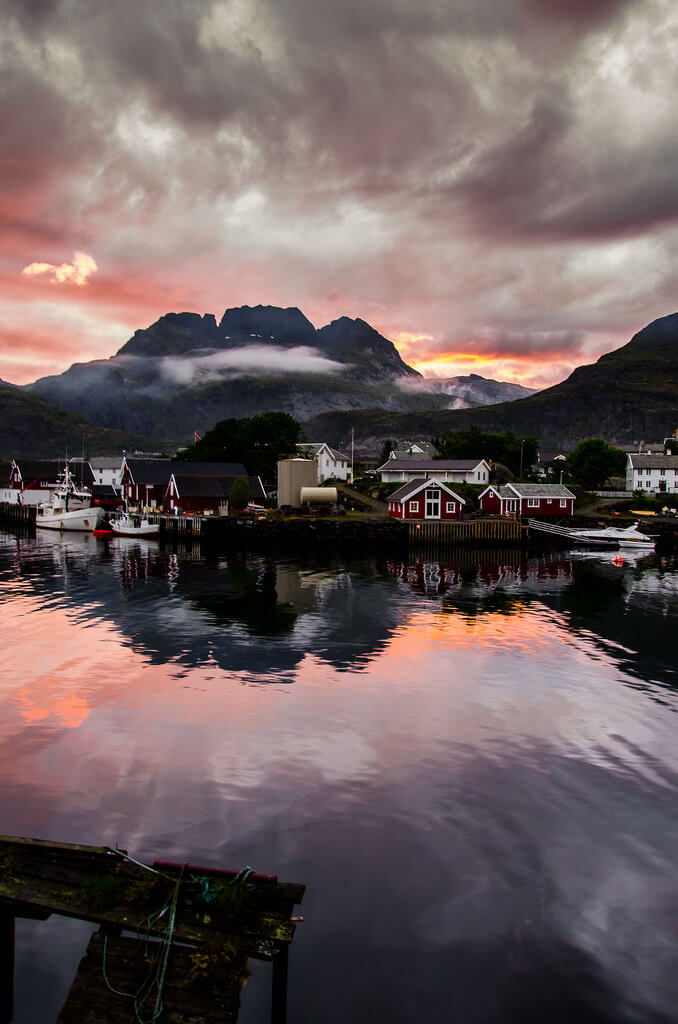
(471, 766)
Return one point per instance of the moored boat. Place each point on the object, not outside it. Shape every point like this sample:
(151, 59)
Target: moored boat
(125, 524)
(627, 536)
(70, 508)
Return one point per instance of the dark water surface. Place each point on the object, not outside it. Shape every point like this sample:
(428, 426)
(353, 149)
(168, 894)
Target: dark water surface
(472, 766)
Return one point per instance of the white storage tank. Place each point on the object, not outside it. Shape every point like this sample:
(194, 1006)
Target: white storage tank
(293, 474)
(318, 495)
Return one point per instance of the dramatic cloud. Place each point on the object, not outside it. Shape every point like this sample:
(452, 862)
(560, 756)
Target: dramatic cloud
(76, 272)
(490, 182)
(253, 358)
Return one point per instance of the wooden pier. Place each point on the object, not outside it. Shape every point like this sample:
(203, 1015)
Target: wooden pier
(192, 931)
(17, 516)
(445, 534)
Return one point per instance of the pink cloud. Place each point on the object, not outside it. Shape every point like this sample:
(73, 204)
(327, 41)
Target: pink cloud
(76, 272)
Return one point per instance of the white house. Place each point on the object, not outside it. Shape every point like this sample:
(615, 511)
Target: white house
(107, 470)
(460, 471)
(331, 463)
(413, 450)
(657, 474)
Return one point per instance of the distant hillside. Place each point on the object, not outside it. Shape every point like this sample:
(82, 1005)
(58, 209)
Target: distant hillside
(472, 390)
(628, 395)
(32, 427)
(186, 372)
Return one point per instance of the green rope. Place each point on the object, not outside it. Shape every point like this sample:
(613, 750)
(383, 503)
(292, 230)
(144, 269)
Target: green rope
(156, 977)
(158, 973)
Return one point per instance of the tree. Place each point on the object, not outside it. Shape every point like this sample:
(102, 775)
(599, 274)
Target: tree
(386, 449)
(258, 442)
(593, 461)
(517, 453)
(240, 493)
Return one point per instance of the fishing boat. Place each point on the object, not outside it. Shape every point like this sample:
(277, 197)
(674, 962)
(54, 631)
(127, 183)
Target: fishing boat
(70, 507)
(126, 524)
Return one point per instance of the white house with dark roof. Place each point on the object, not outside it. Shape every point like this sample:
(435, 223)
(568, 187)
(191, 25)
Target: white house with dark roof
(657, 474)
(332, 464)
(460, 471)
(413, 450)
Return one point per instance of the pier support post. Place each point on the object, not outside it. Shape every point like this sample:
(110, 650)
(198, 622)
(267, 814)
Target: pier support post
(279, 992)
(6, 966)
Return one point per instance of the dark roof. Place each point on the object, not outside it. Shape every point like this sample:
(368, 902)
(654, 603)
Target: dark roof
(158, 471)
(654, 461)
(419, 484)
(214, 486)
(430, 465)
(34, 470)
(540, 490)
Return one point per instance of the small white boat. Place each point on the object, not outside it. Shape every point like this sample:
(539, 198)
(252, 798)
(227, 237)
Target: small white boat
(625, 537)
(70, 508)
(126, 524)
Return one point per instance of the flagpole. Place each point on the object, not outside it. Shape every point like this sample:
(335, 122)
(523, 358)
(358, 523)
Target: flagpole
(352, 445)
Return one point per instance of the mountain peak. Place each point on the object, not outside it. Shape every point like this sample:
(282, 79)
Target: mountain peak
(268, 323)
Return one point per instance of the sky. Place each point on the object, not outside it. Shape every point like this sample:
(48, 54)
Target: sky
(490, 183)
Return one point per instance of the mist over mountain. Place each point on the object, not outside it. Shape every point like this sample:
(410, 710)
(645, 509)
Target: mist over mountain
(186, 372)
(628, 395)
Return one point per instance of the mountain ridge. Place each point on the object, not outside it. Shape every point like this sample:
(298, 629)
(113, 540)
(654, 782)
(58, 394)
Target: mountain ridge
(627, 395)
(186, 371)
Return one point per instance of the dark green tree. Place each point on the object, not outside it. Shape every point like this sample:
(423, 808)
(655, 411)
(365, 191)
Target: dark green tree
(517, 453)
(257, 441)
(593, 461)
(386, 449)
(240, 494)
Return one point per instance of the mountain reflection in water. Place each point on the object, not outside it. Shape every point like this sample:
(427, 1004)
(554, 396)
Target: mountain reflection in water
(471, 764)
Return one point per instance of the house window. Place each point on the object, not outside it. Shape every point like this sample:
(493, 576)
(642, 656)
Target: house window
(563, 502)
(414, 506)
(533, 502)
(451, 506)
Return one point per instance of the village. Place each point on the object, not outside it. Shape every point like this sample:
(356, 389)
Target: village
(414, 484)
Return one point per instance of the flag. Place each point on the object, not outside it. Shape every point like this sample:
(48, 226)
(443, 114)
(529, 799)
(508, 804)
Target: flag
(197, 436)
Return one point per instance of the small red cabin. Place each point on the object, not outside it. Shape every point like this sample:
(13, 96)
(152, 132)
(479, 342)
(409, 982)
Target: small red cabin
(518, 499)
(425, 499)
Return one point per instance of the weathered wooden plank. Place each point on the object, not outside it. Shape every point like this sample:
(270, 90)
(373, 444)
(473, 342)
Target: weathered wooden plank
(102, 886)
(195, 991)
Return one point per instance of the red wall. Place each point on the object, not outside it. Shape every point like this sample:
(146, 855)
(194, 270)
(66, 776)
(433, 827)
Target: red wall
(491, 503)
(547, 508)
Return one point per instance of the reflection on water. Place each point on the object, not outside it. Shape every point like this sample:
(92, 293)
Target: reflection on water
(471, 764)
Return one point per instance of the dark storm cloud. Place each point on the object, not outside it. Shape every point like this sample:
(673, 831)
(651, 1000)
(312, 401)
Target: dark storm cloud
(433, 164)
(581, 13)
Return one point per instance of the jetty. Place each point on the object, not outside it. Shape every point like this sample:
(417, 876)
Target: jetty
(173, 940)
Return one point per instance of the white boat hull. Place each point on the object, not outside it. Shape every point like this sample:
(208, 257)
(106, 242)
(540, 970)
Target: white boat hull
(83, 519)
(126, 526)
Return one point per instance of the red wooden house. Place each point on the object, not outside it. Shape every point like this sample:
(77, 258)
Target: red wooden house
(426, 498)
(144, 481)
(535, 500)
(207, 493)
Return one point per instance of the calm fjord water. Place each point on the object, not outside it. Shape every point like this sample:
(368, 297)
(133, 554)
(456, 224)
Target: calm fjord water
(472, 767)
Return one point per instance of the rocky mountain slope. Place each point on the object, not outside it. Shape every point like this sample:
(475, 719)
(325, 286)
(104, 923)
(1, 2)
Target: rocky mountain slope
(627, 396)
(186, 372)
(31, 427)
